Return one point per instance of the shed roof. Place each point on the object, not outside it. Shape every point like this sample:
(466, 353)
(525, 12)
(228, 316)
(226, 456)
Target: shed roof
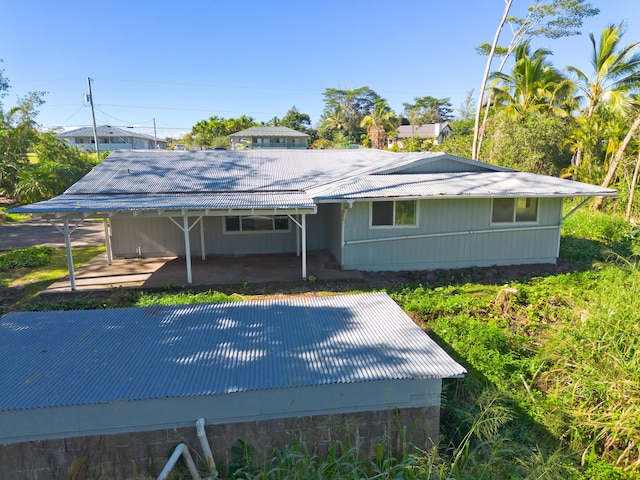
(51, 359)
(269, 132)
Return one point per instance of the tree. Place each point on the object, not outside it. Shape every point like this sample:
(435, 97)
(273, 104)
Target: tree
(485, 78)
(343, 112)
(59, 166)
(214, 132)
(427, 109)
(17, 134)
(549, 18)
(616, 70)
(295, 120)
(379, 123)
(533, 85)
(466, 108)
(534, 142)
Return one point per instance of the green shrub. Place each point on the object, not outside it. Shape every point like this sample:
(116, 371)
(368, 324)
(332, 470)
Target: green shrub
(26, 258)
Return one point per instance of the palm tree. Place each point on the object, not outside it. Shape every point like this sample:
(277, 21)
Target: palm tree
(534, 85)
(379, 123)
(616, 70)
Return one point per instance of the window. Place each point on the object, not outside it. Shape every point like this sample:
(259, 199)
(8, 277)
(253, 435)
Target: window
(256, 223)
(510, 210)
(396, 213)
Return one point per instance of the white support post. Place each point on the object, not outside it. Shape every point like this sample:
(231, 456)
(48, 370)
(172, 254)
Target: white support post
(298, 239)
(304, 246)
(67, 243)
(187, 247)
(107, 240)
(202, 237)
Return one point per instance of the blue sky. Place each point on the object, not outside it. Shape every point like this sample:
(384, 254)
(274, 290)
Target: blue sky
(181, 62)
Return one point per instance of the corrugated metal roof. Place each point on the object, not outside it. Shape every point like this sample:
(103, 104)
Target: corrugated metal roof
(139, 171)
(145, 202)
(462, 184)
(269, 132)
(60, 358)
(105, 131)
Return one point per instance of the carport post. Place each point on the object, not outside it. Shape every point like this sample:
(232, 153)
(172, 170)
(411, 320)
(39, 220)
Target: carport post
(67, 244)
(304, 246)
(202, 237)
(107, 241)
(187, 246)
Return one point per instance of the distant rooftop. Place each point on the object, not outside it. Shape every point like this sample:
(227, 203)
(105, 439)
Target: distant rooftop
(104, 131)
(265, 132)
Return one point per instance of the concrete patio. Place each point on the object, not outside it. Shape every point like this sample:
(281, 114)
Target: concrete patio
(215, 270)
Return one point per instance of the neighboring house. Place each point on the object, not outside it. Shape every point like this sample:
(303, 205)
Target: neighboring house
(116, 390)
(268, 137)
(373, 210)
(437, 131)
(110, 138)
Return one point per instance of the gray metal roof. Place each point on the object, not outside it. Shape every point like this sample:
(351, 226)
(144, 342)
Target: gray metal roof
(150, 202)
(61, 358)
(134, 178)
(144, 171)
(105, 131)
(463, 184)
(269, 132)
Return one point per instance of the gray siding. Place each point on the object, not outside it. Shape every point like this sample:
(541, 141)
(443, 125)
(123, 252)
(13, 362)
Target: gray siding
(161, 237)
(450, 221)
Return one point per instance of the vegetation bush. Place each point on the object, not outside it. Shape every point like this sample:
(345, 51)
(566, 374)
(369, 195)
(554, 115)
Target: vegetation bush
(26, 258)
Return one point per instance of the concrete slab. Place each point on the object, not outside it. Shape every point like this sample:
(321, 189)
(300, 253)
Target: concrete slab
(215, 270)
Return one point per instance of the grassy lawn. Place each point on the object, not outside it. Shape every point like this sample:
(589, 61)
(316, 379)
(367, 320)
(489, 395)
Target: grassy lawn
(19, 286)
(553, 389)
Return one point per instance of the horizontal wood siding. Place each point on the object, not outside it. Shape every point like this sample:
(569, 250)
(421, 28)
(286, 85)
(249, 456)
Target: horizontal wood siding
(154, 237)
(161, 237)
(455, 248)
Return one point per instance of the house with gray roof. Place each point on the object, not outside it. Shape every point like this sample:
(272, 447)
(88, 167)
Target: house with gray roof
(110, 138)
(373, 210)
(119, 388)
(268, 137)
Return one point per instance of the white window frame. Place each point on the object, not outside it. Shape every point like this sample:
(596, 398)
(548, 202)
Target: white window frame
(515, 212)
(414, 225)
(254, 232)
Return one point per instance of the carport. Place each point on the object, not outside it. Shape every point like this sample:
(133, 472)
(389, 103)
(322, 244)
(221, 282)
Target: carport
(186, 212)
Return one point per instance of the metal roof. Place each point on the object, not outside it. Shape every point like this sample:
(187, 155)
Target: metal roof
(136, 178)
(151, 202)
(269, 132)
(62, 358)
(105, 131)
(463, 184)
(140, 171)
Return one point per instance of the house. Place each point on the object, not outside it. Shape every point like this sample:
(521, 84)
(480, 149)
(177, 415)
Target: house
(373, 210)
(110, 138)
(268, 137)
(437, 131)
(117, 389)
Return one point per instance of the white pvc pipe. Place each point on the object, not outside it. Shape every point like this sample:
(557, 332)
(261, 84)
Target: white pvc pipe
(183, 450)
(206, 449)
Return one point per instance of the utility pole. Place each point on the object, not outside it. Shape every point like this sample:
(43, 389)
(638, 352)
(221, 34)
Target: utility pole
(93, 115)
(155, 136)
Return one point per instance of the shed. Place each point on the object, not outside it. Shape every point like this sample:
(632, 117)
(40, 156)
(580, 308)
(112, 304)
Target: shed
(96, 374)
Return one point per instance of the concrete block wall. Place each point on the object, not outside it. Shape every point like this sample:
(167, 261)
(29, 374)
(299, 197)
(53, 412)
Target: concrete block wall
(142, 455)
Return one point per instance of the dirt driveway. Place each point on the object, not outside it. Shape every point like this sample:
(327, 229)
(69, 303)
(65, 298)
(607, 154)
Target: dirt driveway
(40, 232)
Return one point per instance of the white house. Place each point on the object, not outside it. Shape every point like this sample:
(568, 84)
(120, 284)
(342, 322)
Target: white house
(268, 137)
(110, 138)
(436, 131)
